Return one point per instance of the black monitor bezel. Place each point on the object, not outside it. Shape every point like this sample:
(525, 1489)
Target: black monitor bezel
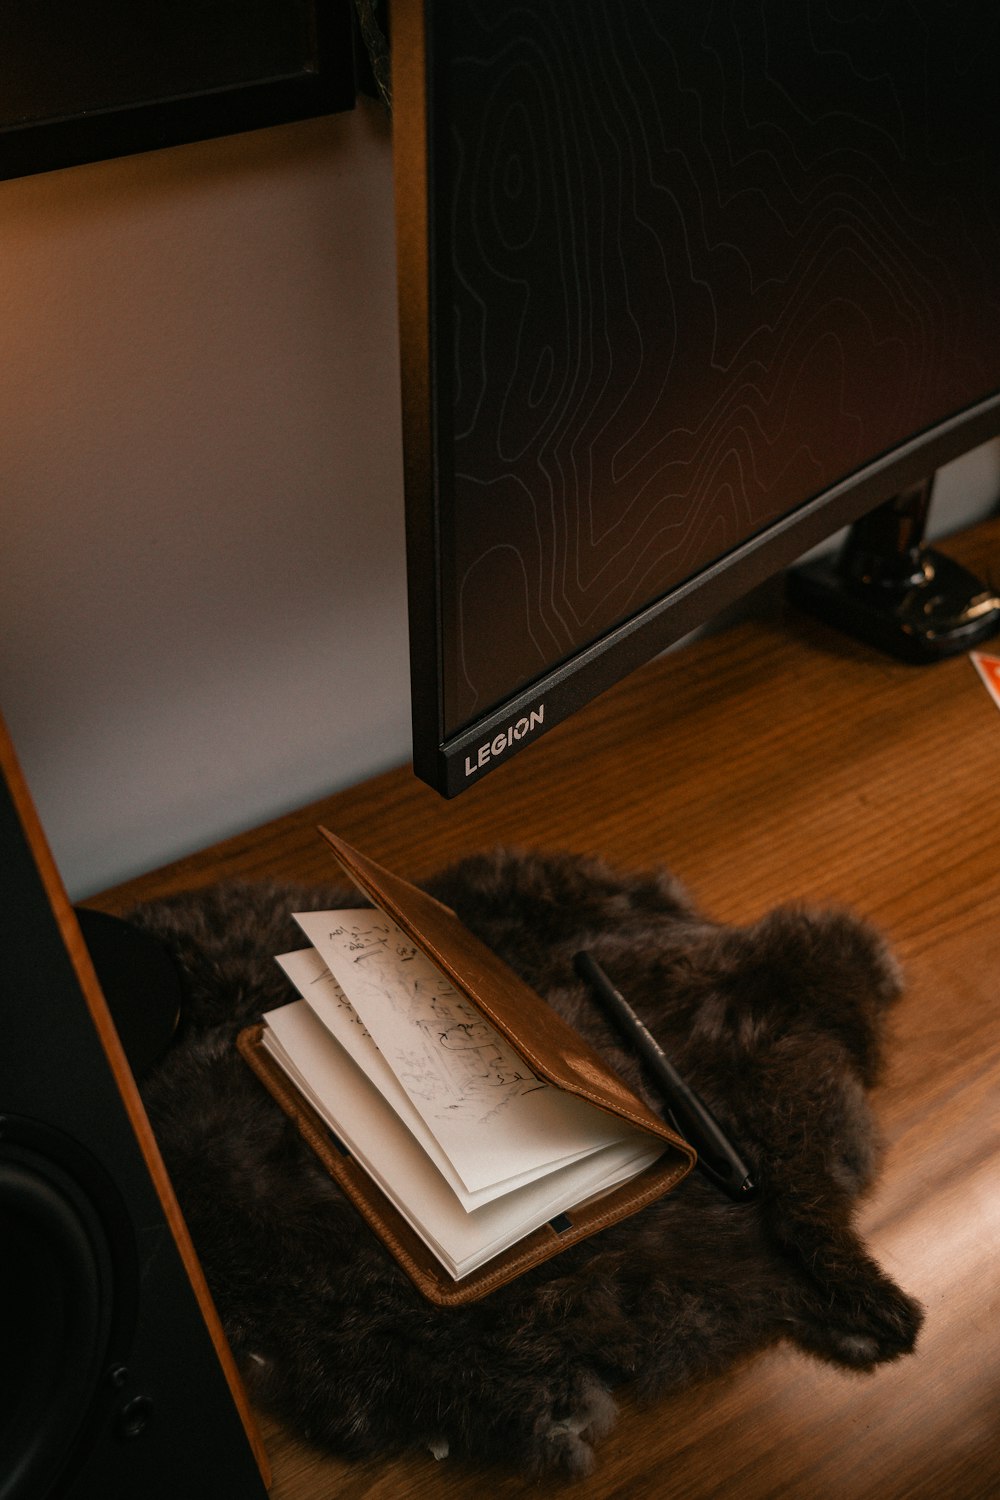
(451, 764)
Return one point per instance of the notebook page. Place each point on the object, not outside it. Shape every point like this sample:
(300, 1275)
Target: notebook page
(317, 986)
(493, 1118)
(384, 1147)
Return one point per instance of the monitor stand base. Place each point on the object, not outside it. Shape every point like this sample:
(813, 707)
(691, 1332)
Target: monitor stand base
(888, 589)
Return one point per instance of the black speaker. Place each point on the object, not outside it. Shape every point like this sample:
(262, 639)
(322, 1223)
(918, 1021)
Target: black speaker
(115, 1380)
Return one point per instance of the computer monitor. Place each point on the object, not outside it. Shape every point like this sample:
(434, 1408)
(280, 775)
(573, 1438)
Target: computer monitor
(684, 289)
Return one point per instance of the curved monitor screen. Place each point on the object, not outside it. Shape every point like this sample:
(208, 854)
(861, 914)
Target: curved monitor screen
(688, 269)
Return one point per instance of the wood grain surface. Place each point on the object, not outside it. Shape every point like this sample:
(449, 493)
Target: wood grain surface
(775, 762)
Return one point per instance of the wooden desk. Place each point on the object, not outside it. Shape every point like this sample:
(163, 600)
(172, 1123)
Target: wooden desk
(776, 762)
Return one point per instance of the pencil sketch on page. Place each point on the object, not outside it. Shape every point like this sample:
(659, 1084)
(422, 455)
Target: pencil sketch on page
(494, 1118)
(445, 1052)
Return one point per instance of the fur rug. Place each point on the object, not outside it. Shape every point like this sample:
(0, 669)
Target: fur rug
(778, 1025)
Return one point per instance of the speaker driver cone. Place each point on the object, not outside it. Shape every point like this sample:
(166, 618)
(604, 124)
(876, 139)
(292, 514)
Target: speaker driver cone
(55, 1317)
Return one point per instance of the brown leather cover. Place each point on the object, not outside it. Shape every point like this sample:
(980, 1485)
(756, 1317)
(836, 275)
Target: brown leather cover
(554, 1050)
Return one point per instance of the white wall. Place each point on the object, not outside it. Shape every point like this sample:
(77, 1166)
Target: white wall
(202, 594)
(965, 491)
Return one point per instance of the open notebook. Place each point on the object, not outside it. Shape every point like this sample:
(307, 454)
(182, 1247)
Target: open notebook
(475, 1130)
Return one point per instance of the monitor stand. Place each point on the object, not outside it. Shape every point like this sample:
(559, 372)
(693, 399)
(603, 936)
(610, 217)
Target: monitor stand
(887, 588)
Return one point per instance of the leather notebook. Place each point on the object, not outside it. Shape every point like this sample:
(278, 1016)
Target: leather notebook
(550, 1047)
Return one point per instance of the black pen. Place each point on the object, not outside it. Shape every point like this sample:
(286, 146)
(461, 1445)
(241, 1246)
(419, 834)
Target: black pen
(718, 1158)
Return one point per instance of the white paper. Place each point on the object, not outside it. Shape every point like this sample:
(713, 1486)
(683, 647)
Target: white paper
(356, 1111)
(317, 986)
(494, 1119)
